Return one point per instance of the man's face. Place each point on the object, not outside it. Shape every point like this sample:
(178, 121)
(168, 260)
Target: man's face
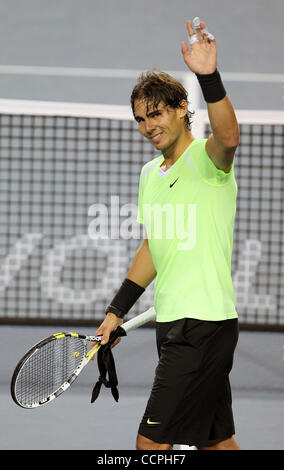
(162, 125)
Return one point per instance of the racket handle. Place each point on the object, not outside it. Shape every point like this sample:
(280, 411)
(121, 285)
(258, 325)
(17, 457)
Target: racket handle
(149, 315)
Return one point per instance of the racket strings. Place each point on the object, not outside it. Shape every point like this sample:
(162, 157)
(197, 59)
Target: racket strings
(48, 368)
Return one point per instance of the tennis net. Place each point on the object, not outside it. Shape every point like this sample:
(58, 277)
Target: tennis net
(62, 164)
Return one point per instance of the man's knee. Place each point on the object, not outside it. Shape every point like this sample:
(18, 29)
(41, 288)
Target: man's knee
(143, 443)
(226, 444)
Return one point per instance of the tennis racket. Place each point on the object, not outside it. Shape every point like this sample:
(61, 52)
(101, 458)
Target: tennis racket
(50, 366)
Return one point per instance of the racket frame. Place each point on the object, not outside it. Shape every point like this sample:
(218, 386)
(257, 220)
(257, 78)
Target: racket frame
(55, 337)
(139, 320)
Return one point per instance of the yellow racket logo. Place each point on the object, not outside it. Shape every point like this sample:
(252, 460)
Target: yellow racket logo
(76, 354)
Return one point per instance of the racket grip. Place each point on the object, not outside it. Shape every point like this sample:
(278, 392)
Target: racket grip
(142, 319)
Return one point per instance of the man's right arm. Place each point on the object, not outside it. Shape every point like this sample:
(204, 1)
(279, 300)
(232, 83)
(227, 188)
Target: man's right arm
(142, 271)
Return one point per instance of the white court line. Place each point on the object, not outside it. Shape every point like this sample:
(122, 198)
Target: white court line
(76, 71)
(187, 77)
(127, 73)
(57, 108)
(67, 71)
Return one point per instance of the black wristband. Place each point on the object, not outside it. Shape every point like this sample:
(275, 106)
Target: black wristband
(114, 310)
(127, 295)
(212, 87)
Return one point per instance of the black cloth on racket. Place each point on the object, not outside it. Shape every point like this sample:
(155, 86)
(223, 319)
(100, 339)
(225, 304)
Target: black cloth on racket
(106, 366)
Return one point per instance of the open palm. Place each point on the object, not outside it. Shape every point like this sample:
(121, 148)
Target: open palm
(202, 57)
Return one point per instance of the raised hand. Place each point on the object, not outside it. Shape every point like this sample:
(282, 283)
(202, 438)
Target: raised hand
(202, 56)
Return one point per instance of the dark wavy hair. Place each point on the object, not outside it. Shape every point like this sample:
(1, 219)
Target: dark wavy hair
(155, 87)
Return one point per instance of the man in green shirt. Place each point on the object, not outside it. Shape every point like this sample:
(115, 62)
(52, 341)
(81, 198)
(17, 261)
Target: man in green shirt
(187, 201)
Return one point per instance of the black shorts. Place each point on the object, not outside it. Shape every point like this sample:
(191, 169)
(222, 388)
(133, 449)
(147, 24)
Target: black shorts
(191, 401)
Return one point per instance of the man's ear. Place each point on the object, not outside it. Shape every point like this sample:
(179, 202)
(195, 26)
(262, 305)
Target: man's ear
(182, 110)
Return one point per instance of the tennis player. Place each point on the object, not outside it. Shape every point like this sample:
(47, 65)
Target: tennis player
(187, 203)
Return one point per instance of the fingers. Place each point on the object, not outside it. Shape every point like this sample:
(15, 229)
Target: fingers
(115, 343)
(205, 33)
(197, 26)
(110, 324)
(190, 29)
(105, 334)
(104, 338)
(184, 49)
(198, 32)
(194, 37)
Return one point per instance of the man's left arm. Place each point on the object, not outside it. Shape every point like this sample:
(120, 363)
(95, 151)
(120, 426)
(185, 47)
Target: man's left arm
(222, 144)
(202, 60)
